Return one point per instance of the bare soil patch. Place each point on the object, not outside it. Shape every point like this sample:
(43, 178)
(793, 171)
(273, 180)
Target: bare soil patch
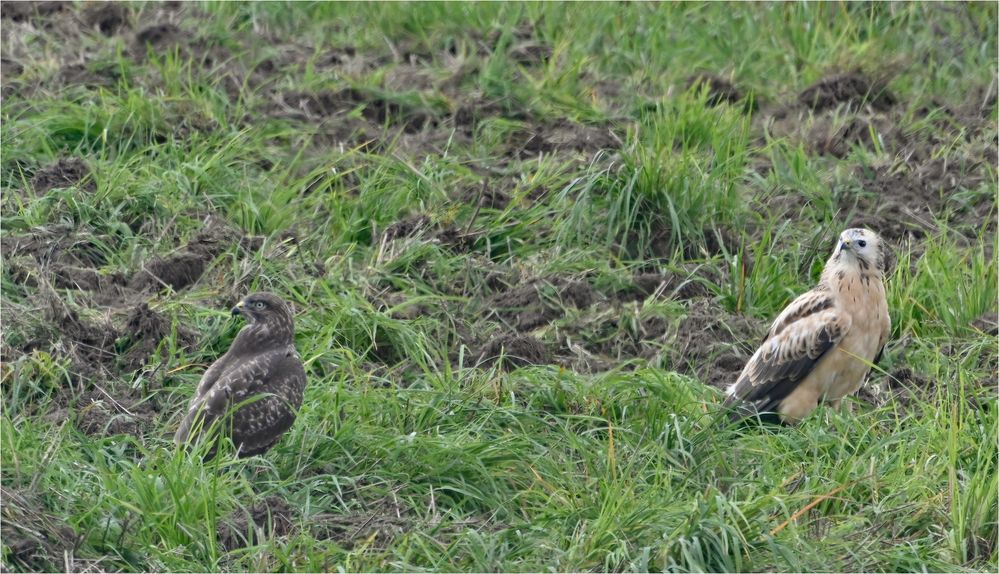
(530, 53)
(662, 243)
(95, 349)
(539, 302)
(376, 525)
(375, 108)
(473, 107)
(90, 75)
(622, 328)
(86, 279)
(107, 17)
(103, 412)
(34, 539)
(126, 333)
(714, 344)
(853, 89)
(183, 269)
(830, 136)
(65, 172)
(176, 272)
(159, 36)
(563, 136)
(144, 330)
(514, 351)
(610, 336)
(32, 11)
(89, 346)
(907, 199)
(486, 195)
(987, 323)
(422, 227)
(720, 91)
(678, 285)
(58, 244)
(271, 517)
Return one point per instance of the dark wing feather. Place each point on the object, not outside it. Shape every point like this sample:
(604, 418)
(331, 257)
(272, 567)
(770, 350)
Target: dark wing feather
(807, 329)
(271, 408)
(266, 391)
(885, 333)
(211, 376)
(804, 305)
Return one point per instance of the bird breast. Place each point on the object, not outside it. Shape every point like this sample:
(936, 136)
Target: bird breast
(863, 297)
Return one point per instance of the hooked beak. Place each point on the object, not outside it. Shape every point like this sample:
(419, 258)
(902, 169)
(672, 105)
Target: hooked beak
(238, 309)
(845, 244)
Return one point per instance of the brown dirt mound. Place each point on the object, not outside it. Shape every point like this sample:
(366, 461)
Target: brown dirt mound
(406, 227)
(158, 36)
(62, 244)
(907, 390)
(100, 413)
(610, 335)
(93, 346)
(539, 302)
(853, 89)
(270, 517)
(145, 329)
(86, 344)
(901, 385)
(329, 103)
(625, 329)
(563, 136)
(89, 346)
(906, 378)
(66, 172)
(216, 236)
(720, 90)
(514, 351)
(475, 107)
(86, 279)
(681, 286)
(89, 76)
(870, 131)
(10, 69)
(530, 53)
(715, 344)
(29, 11)
(907, 198)
(208, 53)
(34, 540)
(107, 17)
(485, 195)
(185, 268)
(421, 226)
(176, 272)
(375, 526)
(25, 271)
(711, 242)
(987, 323)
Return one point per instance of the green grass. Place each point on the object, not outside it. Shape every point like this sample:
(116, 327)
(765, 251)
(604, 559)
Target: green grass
(409, 454)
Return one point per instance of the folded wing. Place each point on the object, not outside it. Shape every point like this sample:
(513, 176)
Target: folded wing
(798, 339)
(261, 393)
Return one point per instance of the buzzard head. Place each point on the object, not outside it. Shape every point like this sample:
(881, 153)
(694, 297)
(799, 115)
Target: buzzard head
(265, 312)
(861, 248)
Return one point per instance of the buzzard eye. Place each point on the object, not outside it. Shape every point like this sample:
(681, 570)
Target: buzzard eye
(259, 304)
(862, 243)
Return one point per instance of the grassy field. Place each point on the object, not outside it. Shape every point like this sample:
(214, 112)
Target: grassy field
(527, 246)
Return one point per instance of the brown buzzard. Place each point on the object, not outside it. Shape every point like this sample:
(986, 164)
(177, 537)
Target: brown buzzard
(821, 347)
(255, 389)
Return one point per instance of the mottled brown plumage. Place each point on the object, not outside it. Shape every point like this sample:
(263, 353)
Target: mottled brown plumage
(821, 347)
(255, 389)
